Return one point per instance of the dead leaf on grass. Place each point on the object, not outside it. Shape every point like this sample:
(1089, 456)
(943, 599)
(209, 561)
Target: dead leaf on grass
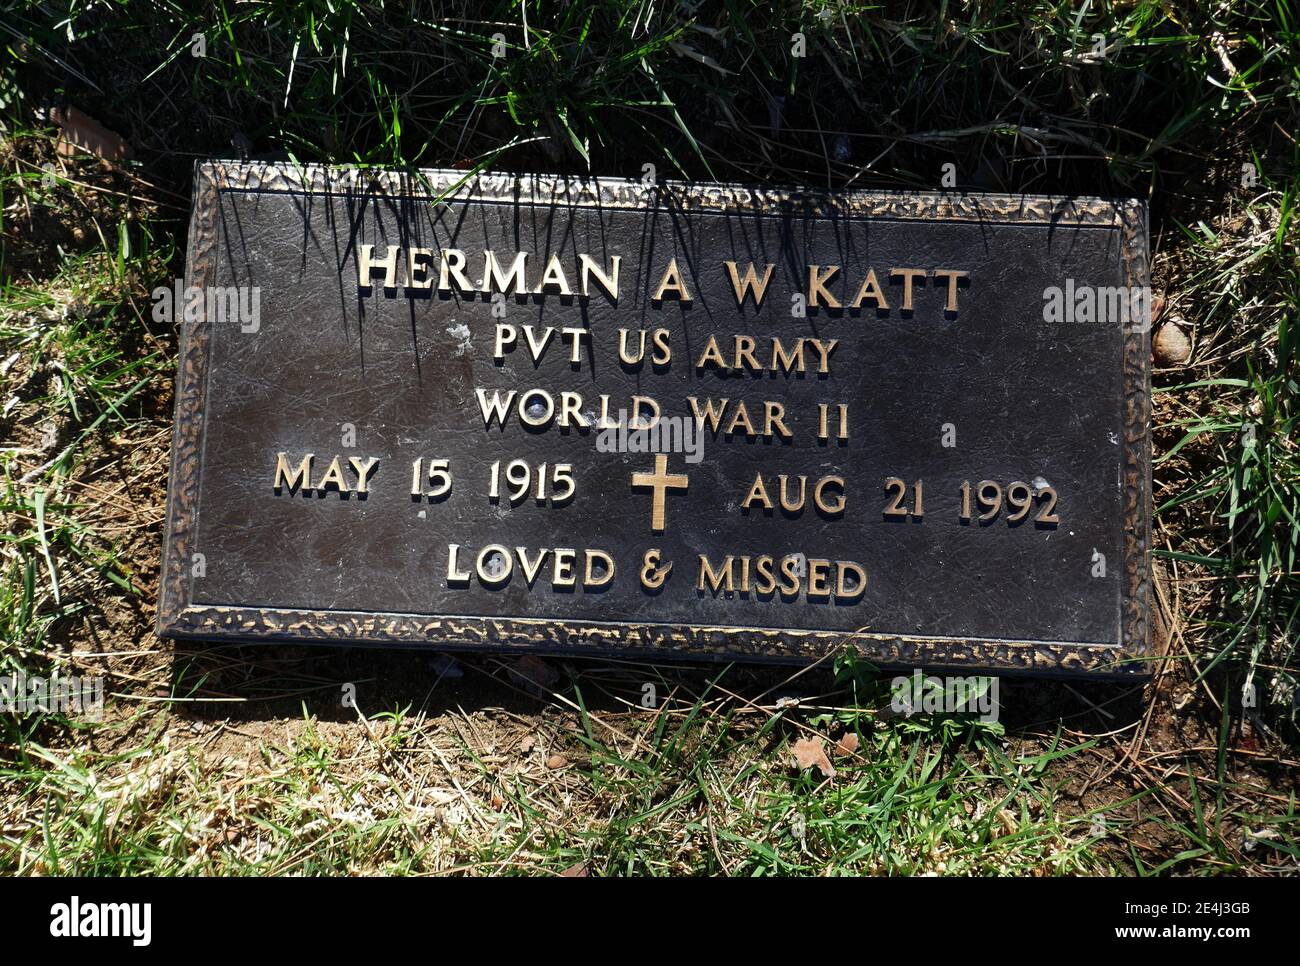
(80, 132)
(532, 671)
(808, 753)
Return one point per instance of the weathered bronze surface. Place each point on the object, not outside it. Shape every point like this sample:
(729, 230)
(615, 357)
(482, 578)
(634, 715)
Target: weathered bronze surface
(922, 432)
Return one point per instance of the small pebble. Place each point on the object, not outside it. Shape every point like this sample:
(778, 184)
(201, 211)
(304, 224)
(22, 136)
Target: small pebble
(1170, 345)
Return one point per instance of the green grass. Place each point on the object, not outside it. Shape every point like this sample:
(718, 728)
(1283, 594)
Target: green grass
(241, 761)
(1244, 476)
(697, 791)
(702, 785)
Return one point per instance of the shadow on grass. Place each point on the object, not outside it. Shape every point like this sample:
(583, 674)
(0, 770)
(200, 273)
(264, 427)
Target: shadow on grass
(261, 683)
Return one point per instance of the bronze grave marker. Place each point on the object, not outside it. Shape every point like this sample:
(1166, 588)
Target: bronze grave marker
(710, 421)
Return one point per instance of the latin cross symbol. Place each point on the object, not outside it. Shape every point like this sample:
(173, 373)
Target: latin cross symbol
(660, 481)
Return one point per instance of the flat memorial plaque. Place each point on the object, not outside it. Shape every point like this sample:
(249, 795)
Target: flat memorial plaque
(679, 421)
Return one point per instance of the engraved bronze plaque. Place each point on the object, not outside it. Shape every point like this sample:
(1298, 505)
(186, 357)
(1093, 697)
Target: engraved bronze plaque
(709, 421)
